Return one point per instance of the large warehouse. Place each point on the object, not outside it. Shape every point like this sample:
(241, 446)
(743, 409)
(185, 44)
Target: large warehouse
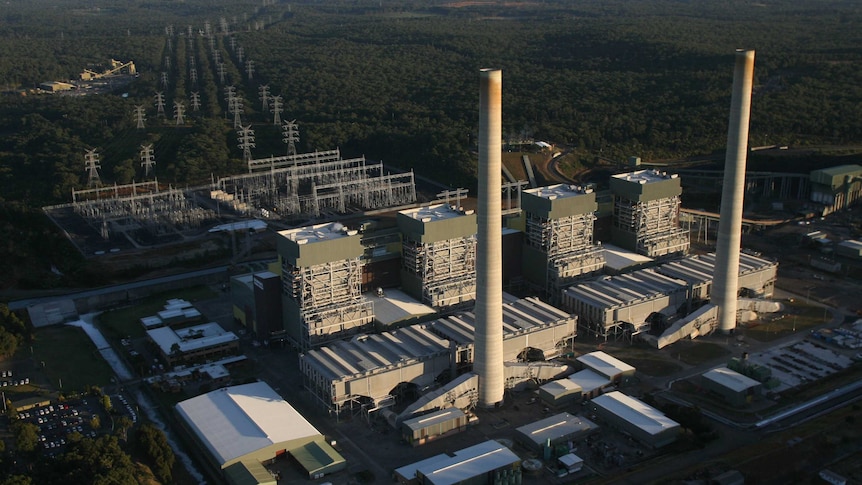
(367, 368)
(239, 428)
(488, 462)
(554, 430)
(645, 423)
(735, 388)
(607, 366)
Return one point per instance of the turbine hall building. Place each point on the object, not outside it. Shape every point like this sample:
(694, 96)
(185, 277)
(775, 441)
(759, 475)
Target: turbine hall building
(646, 213)
(558, 240)
(757, 275)
(238, 429)
(321, 272)
(617, 306)
(367, 369)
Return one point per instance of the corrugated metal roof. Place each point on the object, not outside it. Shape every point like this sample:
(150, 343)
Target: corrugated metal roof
(636, 412)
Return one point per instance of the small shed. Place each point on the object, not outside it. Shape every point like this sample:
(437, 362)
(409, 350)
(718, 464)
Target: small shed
(560, 392)
(422, 429)
(571, 462)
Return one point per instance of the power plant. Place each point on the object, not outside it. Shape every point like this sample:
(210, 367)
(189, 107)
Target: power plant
(725, 283)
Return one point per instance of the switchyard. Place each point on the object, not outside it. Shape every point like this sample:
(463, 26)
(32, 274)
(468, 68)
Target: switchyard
(313, 184)
(141, 214)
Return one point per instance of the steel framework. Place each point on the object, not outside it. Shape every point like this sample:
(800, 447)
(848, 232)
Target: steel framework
(568, 244)
(446, 269)
(315, 183)
(654, 223)
(330, 300)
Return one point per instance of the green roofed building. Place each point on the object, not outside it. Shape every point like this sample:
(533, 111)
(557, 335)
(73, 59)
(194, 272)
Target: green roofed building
(438, 263)
(558, 242)
(646, 213)
(241, 428)
(322, 284)
(836, 188)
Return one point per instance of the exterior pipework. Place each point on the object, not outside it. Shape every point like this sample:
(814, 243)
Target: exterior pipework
(725, 284)
(488, 350)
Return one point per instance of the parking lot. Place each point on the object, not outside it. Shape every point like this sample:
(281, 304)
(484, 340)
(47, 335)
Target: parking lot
(58, 422)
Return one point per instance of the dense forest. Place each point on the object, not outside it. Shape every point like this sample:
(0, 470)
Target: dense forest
(398, 81)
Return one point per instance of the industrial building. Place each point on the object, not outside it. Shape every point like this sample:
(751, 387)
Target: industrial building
(554, 430)
(591, 384)
(735, 388)
(363, 372)
(756, 274)
(422, 429)
(646, 213)
(488, 463)
(622, 306)
(238, 429)
(836, 188)
(257, 302)
(195, 343)
(643, 422)
(607, 366)
(322, 284)
(849, 249)
(438, 256)
(560, 392)
(528, 323)
(558, 242)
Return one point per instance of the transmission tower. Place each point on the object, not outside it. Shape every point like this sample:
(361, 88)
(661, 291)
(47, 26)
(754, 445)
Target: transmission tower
(217, 56)
(233, 44)
(165, 80)
(169, 43)
(168, 62)
(212, 43)
(290, 136)
(169, 30)
(237, 112)
(92, 166)
(277, 108)
(179, 111)
(147, 159)
(263, 91)
(193, 75)
(160, 103)
(207, 28)
(240, 52)
(140, 116)
(246, 141)
(221, 73)
(249, 68)
(189, 31)
(196, 101)
(224, 26)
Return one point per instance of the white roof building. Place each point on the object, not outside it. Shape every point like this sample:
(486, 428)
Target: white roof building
(731, 379)
(606, 365)
(639, 419)
(461, 466)
(252, 423)
(191, 339)
(589, 381)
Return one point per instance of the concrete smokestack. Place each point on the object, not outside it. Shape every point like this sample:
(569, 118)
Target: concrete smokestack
(725, 284)
(488, 350)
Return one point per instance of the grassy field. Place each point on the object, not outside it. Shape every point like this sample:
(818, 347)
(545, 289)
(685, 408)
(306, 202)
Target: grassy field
(124, 322)
(798, 317)
(70, 357)
(696, 352)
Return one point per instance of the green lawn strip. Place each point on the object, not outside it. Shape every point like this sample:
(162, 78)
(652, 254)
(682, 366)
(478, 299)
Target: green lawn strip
(70, 357)
(700, 352)
(125, 322)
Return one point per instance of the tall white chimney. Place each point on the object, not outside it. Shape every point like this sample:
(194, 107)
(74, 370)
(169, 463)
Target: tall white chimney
(725, 284)
(488, 350)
